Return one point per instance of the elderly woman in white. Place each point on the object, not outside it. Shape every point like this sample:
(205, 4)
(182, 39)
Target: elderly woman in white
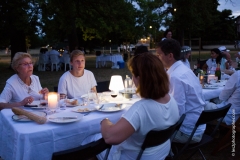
(23, 87)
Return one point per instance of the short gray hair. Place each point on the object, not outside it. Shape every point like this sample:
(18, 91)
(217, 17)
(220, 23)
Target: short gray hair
(17, 57)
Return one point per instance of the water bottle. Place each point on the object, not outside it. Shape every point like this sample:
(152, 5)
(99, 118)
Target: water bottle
(127, 83)
(213, 67)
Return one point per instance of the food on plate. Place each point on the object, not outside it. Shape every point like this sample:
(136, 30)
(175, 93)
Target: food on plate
(83, 110)
(72, 102)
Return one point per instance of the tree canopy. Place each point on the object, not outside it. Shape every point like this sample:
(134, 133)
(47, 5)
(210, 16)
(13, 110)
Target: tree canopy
(95, 22)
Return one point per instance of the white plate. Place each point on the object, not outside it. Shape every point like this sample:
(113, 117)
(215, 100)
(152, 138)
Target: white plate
(112, 107)
(84, 109)
(22, 118)
(65, 114)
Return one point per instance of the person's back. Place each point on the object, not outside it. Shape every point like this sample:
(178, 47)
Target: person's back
(187, 91)
(184, 87)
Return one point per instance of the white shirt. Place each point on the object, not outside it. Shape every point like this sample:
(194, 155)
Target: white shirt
(187, 91)
(186, 63)
(222, 65)
(75, 87)
(231, 94)
(16, 90)
(146, 115)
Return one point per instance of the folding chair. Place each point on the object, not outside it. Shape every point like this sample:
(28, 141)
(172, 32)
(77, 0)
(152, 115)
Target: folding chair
(42, 62)
(54, 61)
(83, 152)
(226, 140)
(103, 86)
(205, 117)
(66, 60)
(155, 138)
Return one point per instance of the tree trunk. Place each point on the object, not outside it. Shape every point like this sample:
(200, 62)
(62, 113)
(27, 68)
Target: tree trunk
(17, 42)
(72, 37)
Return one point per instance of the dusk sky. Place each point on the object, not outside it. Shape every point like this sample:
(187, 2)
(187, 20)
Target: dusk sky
(235, 6)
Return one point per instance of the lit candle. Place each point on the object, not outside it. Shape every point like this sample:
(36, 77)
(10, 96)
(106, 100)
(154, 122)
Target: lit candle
(210, 77)
(52, 100)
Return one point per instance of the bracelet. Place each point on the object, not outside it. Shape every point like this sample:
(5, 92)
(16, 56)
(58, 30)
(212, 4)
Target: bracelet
(103, 120)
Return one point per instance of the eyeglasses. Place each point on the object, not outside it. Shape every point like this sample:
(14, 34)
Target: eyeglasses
(27, 64)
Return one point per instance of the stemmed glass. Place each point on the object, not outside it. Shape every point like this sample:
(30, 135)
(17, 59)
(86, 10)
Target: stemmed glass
(93, 97)
(64, 104)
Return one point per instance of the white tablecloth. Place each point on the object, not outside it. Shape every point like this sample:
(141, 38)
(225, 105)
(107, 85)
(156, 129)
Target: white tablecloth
(102, 59)
(31, 141)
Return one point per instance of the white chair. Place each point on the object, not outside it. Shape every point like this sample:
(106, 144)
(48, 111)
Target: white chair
(43, 60)
(66, 60)
(54, 61)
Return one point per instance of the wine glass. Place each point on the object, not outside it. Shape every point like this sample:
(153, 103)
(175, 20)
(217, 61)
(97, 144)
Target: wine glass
(114, 94)
(44, 100)
(64, 104)
(93, 97)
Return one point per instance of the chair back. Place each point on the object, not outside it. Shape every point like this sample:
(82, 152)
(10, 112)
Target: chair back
(43, 59)
(103, 86)
(155, 138)
(211, 115)
(83, 152)
(205, 117)
(54, 58)
(66, 58)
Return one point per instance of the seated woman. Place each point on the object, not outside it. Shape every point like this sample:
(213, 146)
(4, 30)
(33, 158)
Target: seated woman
(185, 53)
(78, 81)
(230, 94)
(157, 110)
(22, 88)
(216, 56)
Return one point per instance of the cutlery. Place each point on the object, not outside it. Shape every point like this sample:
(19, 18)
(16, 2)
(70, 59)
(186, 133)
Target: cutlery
(62, 117)
(101, 107)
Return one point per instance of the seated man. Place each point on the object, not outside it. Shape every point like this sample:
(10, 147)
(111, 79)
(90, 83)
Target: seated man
(78, 81)
(230, 94)
(185, 88)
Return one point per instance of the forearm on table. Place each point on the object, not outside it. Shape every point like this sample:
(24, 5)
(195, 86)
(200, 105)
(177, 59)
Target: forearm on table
(9, 105)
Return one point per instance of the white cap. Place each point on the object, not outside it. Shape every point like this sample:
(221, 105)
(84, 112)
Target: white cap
(223, 48)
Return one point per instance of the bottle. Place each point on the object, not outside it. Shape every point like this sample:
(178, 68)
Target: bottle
(218, 72)
(127, 83)
(213, 67)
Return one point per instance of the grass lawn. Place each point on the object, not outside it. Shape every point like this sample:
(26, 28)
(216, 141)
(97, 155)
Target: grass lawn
(50, 79)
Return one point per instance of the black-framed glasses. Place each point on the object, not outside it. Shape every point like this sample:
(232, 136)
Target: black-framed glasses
(27, 64)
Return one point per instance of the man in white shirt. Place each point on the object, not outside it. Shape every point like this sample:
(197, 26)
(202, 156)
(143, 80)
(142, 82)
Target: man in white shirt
(185, 88)
(230, 94)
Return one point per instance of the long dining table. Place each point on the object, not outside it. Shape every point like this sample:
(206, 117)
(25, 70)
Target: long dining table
(32, 141)
(102, 59)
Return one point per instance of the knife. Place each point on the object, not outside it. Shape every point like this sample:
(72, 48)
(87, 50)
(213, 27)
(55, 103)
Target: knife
(101, 107)
(63, 117)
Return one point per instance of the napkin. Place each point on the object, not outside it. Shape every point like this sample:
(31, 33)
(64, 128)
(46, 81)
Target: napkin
(32, 116)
